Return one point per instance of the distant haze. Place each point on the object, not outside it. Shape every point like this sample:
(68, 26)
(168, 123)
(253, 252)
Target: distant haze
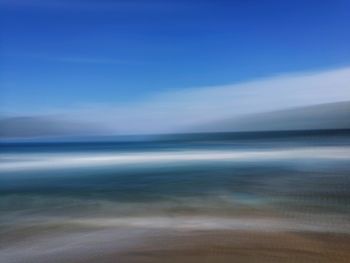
(39, 126)
(324, 116)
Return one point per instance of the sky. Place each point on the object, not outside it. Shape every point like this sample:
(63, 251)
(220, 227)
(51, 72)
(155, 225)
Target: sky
(149, 62)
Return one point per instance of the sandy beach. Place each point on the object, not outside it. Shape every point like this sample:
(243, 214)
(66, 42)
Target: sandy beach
(235, 246)
(65, 244)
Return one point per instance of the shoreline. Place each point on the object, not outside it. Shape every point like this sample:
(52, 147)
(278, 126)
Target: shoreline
(235, 246)
(88, 243)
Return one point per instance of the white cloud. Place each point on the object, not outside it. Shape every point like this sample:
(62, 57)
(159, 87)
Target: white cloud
(174, 110)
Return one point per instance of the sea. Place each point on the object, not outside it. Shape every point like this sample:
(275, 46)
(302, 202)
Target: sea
(60, 198)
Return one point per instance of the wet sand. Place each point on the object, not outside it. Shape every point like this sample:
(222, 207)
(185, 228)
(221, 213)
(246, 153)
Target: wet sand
(234, 246)
(80, 241)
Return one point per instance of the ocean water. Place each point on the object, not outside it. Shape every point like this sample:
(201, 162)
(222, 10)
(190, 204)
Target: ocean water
(68, 196)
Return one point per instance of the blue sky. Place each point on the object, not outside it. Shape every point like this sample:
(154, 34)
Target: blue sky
(68, 54)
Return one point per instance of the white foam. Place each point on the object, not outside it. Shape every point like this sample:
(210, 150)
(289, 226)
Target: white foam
(218, 223)
(12, 162)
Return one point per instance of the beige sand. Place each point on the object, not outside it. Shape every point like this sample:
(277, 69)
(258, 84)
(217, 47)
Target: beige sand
(234, 246)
